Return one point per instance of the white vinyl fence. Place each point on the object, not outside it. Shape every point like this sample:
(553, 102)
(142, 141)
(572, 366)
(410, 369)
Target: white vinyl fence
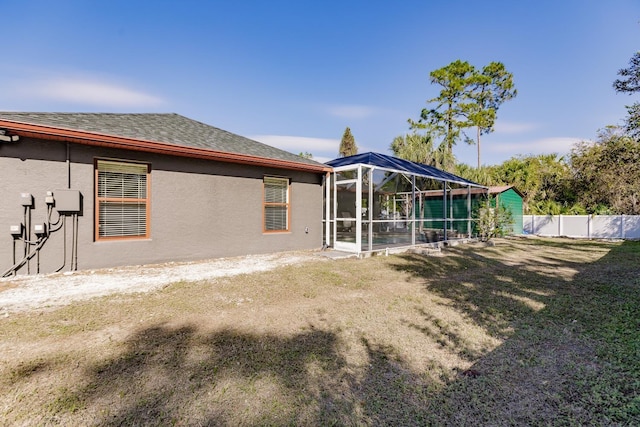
(586, 226)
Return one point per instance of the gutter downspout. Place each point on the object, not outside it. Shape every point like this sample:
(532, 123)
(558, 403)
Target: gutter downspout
(68, 168)
(327, 209)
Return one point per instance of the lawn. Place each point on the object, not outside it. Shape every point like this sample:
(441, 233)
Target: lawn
(526, 332)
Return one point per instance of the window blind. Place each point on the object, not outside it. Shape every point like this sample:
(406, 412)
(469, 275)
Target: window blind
(122, 195)
(276, 204)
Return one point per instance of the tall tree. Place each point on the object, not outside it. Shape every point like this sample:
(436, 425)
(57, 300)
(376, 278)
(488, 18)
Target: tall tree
(630, 83)
(468, 98)
(489, 89)
(449, 115)
(348, 145)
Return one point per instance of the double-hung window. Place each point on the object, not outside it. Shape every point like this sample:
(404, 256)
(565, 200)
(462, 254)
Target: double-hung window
(276, 204)
(122, 200)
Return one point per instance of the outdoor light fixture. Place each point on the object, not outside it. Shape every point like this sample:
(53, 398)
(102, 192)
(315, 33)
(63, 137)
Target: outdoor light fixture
(7, 138)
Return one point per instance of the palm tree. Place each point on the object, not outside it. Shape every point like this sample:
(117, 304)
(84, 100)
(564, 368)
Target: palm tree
(419, 148)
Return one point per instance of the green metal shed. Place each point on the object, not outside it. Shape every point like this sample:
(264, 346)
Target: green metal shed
(511, 199)
(507, 196)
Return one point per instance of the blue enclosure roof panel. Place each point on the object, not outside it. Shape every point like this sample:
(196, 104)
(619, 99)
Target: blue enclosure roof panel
(400, 165)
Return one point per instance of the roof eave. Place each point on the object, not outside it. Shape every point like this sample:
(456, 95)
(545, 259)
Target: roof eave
(119, 142)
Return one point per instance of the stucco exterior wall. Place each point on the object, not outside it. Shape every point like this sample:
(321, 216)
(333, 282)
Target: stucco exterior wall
(199, 209)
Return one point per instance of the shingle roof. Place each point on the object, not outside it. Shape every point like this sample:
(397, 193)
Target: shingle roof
(499, 189)
(168, 128)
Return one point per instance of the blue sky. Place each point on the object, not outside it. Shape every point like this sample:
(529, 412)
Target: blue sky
(295, 74)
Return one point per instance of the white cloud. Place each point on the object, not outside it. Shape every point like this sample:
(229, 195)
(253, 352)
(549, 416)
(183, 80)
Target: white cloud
(560, 145)
(323, 159)
(298, 143)
(351, 111)
(322, 149)
(514, 127)
(90, 92)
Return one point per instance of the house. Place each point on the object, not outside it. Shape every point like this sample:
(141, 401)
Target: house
(84, 191)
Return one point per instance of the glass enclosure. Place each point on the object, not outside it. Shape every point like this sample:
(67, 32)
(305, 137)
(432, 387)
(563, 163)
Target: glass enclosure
(370, 208)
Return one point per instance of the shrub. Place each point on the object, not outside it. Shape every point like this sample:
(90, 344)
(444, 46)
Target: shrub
(492, 220)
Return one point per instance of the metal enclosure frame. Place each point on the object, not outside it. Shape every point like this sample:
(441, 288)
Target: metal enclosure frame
(371, 207)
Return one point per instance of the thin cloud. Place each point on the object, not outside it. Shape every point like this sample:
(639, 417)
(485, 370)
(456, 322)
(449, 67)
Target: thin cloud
(91, 92)
(298, 143)
(560, 145)
(514, 127)
(351, 111)
(323, 159)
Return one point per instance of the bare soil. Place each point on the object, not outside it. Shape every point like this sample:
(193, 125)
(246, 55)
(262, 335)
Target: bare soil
(25, 292)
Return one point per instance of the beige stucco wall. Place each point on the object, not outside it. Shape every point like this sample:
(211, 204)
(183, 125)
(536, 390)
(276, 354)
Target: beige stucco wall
(199, 209)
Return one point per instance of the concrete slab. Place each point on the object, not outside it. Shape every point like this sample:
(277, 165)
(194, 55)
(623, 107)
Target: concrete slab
(333, 254)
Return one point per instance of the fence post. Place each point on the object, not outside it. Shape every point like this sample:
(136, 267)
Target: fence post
(589, 226)
(533, 227)
(622, 233)
(559, 225)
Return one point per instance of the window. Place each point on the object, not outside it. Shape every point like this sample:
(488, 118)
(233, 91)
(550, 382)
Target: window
(122, 200)
(276, 204)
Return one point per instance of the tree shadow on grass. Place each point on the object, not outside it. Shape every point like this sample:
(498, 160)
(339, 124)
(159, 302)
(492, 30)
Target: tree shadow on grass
(165, 375)
(494, 292)
(570, 331)
(547, 370)
(169, 376)
(485, 291)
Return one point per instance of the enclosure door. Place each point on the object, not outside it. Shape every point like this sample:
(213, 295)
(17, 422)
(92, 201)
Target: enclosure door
(347, 226)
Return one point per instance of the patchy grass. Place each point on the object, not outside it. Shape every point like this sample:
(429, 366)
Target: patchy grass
(528, 332)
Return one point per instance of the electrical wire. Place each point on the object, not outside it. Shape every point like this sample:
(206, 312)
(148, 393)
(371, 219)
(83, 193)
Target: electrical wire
(64, 243)
(26, 259)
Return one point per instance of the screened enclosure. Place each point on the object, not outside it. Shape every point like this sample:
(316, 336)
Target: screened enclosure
(374, 201)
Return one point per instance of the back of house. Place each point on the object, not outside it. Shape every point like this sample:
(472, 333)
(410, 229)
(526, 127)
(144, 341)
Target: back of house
(85, 191)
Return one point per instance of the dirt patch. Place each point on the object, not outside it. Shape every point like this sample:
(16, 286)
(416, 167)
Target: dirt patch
(23, 293)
